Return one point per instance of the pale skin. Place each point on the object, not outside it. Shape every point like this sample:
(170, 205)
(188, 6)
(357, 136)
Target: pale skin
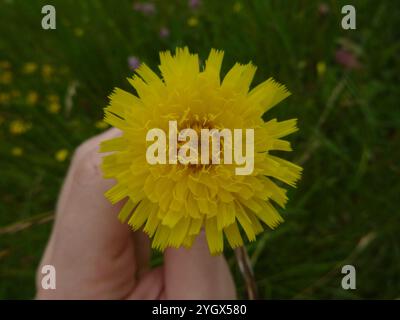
(98, 257)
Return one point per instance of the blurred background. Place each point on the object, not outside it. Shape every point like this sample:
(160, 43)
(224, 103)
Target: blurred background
(344, 83)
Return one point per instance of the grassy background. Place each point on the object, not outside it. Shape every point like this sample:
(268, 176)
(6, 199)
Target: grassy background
(345, 210)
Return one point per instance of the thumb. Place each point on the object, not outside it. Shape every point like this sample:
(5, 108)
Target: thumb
(195, 274)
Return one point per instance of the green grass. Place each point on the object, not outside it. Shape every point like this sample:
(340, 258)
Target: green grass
(348, 140)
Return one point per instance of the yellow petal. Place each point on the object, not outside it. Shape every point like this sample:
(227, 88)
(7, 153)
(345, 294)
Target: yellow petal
(195, 226)
(245, 222)
(141, 214)
(233, 236)
(268, 94)
(269, 215)
(214, 237)
(126, 210)
(179, 232)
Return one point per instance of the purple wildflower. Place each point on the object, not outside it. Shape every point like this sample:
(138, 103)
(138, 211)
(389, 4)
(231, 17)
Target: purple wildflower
(194, 4)
(323, 9)
(147, 8)
(347, 59)
(164, 32)
(133, 63)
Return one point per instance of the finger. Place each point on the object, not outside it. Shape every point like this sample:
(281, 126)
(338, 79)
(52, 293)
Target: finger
(195, 274)
(81, 159)
(82, 207)
(86, 231)
(86, 160)
(150, 287)
(142, 252)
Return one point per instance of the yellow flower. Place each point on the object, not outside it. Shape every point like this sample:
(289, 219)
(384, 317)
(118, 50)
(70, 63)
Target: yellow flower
(47, 71)
(79, 32)
(173, 202)
(5, 64)
(18, 127)
(54, 103)
(321, 68)
(237, 7)
(53, 98)
(192, 22)
(29, 68)
(101, 125)
(6, 77)
(32, 98)
(17, 151)
(61, 155)
(15, 93)
(4, 97)
(54, 107)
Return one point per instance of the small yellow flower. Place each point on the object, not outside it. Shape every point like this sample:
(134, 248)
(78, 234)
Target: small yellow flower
(54, 107)
(29, 68)
(101, 125)
(53, 98)
(192, 22)
(18, 127)
(5, 64)
(15, 93)
(6, 77)
(79, 32)
(32, 98)
(61, 155)
(4, 97)
(321, 68)
(237, 7)
(17, 151)
(47, 71)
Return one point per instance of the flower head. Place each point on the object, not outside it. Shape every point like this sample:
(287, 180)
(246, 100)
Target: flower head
(321, 68)
(347, 59)
(193, 22)
(18, 127)
(194, 4)
(164, 32)
(101, 125)
(61, 155)
(237, 7)
(4, 64)
(47, 71)
(133, 63)
(32, 98)
(17, 151)
(147, 8)
(29, 68)
(6, 77)
(4, 97)
(54, 107)
(173, 202)
(323, 9)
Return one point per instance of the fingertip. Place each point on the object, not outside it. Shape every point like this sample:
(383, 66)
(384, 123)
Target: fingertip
(150, 286)
(195, 274)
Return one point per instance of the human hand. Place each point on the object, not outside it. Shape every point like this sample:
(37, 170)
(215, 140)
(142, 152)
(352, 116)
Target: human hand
(97, 257)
